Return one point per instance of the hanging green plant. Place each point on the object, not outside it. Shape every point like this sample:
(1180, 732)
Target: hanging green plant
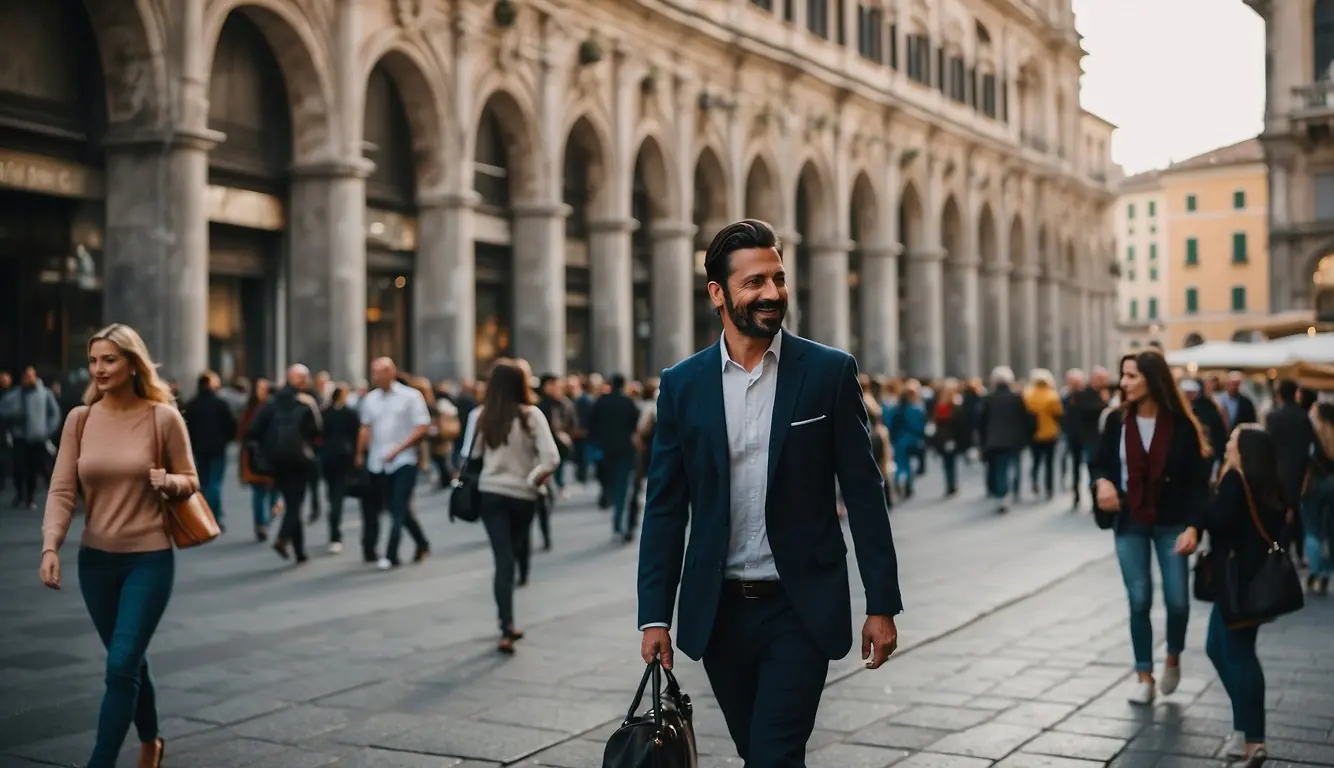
(505, 13)
(590, 52)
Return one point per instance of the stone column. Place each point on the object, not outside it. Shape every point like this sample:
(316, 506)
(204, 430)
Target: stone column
(926, 313)
(444, 298)
(612, 295)
(996, 323)
(539, 285)
(1049, 332)
(326, 269)
(880, 309)
(962, 312)
(1085, 303)
(796, 321)
(1025, 355)
(828, 319)
(155, 272)
(672, 300)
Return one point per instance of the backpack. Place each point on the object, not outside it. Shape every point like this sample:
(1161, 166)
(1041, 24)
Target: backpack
(284, 442)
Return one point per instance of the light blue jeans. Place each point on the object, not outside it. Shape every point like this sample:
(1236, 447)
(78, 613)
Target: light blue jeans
(1134, 545)
(1316, 561)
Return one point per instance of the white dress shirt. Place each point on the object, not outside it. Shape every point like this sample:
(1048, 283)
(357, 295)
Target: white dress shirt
(748, 405)
(392, 416)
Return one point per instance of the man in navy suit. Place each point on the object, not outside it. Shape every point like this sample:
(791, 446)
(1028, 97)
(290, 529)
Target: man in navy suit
(756, 437)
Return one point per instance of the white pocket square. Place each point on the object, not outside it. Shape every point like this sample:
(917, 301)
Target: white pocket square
(804, 422)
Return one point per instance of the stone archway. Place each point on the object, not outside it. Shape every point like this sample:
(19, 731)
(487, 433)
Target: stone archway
(912, 237)
(994, 333)
(711, 195)
(1073, 309)
(660, 265)
(132, 54)
(762, 199)
(954, 241)
(871, 280)
(811, 221)
(597, 270)
(1021, 305)
(1049, 303)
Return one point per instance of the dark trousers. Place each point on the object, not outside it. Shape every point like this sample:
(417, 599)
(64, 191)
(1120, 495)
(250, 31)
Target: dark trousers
(949, 464)
(393, 492)
(336, 472)
(508, 522)
(545, 503)
(767, 675)
(1044, 460)
(126, 594)
(292, 484)
(316, 473)
(1233, 653)
(31, 461)
(619, 471)
(212, 472)
(1002, 474)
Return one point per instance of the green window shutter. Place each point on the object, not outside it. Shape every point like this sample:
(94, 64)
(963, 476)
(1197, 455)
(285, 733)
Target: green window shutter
(1153, 309)
(1239, 199)
(1192, 252)
(1130, 253)
(1153, 251)
(1192, 300)
(1190, 203)
(1130, 211)
(1153, 274)
(1134, 308)
(1153, 208)
(1239, 298)
(1238, 247)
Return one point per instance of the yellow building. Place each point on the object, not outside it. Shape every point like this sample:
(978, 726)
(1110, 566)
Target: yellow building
(1216, 269)
(1140, 226)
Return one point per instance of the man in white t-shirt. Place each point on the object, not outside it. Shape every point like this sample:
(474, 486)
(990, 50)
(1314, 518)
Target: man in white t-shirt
(394, 420)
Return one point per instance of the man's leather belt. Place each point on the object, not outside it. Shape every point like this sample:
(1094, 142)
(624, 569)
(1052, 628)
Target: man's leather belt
(752, 590)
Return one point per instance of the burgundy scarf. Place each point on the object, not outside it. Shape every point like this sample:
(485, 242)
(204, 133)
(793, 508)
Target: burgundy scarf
(1146, 470)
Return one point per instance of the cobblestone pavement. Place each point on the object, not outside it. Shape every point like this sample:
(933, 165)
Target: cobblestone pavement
(1014, 653)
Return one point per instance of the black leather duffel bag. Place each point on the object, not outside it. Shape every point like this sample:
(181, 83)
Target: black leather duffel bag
(663, 737)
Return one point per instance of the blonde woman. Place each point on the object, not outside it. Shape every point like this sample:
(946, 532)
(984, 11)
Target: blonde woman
(126, 564)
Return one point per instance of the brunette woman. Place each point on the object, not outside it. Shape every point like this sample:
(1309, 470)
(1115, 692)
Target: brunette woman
(109, 456)
(1317, 502)
(951, 429)
(1250, 482)
(337, 452)
(518, 454)
(1151, 475)
(264, 498)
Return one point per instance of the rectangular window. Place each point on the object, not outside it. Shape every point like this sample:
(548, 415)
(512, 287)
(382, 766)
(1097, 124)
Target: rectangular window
(1005, 100)
(870, 28)
(1192, 300)
(1153, 208)
(1130, 211)
(1239, 200)
(957, 80)
(989, 96)
(1192, 252)
(1130, 274)
(817, 17)
(1190, 203)
(1153, 274)
(789, 11)
(919, 59)
(940, 71)
(1130, 254)
(1153, 251)
(767, 5)
(1239, 298)
(894, 46)
(1134, 309)
(840, 28)
(1324, 196)
(1238, 247)
(1153, 309)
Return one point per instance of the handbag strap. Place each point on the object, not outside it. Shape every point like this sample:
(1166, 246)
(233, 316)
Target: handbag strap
(639, 693)
(653, 671)
(1255, 514)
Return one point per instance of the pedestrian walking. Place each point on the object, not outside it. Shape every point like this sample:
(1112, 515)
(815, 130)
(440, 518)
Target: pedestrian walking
(611, 426)
(212, 426)
(1044, 402)
(1004, 427)
(1317, 502)
(1151, 481)
(519, 455)
(395, 421)
(756, 437)
(1251, 489)
(285, 432)
(337, 455)
(108, 456)
(34, 418)
(264, 499)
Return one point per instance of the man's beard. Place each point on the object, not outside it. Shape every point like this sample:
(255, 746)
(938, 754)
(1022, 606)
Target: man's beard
(745, 320)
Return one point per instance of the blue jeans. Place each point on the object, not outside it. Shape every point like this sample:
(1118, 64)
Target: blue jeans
(262, 499)
(1133, 545)
(619, 471)
(126, 594)
(949, 464)
(1003, 474)
(211, 474)
(1316, 561)
(397, 489)
(1233, 653)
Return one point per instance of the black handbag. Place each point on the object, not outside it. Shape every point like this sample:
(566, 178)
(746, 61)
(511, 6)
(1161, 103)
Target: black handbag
(664, 736)
(1204, 588)
(465, 500)
(1274, 590)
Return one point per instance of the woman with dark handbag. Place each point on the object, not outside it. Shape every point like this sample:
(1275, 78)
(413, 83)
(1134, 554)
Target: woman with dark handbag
(1245, 522)
(337, 455)
(1150, 481)
(123, 454)
(518, 456)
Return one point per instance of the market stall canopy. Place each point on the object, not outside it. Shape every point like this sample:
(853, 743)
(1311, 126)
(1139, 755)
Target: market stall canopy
(1240, 356)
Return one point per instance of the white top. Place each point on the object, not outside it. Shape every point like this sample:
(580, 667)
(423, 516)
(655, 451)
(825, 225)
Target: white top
(513, 468)
(392, 416)
(1146, 429)
(748, 406)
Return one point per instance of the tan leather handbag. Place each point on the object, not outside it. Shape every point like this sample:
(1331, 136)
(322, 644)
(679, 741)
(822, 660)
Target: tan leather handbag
(189, 521)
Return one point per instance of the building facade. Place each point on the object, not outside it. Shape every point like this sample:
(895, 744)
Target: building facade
(255, 182)
(1298, 141)
(1139, 219)
(1217, 268)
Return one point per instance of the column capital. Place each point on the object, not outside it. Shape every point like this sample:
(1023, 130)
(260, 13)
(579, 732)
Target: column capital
(998, 268)
(613, 224)
(122, 137)
(672, 229)
(822, 247)
(927, 254)
(467, 199)
(358, 168)
(541, 210)
(882, 251)
(1027, 271)
(966, 261)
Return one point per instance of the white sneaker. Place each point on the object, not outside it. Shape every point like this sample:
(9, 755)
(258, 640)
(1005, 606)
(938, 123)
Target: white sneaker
(1170, 680)
(1143, 693)
(1235, 745)
(384, 564)
(335, 547)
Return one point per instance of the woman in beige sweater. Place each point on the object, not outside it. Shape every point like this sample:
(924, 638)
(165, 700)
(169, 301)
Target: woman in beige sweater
(126, 564)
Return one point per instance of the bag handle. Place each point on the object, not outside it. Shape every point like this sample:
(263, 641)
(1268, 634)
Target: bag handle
(1255, 515)
(654, 671)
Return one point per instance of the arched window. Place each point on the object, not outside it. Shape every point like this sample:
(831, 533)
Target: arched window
(491, 163)
(1322, 38)
(1193, 340)
(1323, 289)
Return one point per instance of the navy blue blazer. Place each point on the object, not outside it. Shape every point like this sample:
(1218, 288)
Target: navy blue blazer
(689, 487)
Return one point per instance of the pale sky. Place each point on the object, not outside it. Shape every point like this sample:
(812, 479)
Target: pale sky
(1178, 77)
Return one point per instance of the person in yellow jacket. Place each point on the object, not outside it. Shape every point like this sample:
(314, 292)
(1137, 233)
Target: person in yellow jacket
(1044, 402)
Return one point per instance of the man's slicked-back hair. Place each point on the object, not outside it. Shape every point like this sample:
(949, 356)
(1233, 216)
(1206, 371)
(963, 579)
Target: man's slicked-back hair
(739, 236)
